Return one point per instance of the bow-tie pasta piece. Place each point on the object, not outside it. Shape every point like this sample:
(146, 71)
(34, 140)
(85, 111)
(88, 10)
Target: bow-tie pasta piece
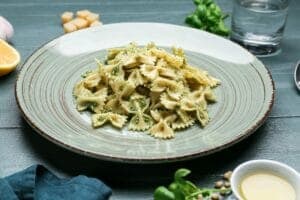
(136, 104)
(174, 61)
(81, 90)
(146, 59)
(129, 61)
(168, 102)
(114, 104)
(122, 88)
(167, 73)
(161, 63)
(114, 71)
(136, 78)
(161, 84)
(140, 122)
(209, 95)
(179, 52)
(162, 130)
(112, 53)
(149, 71)
(176, 92)
(141, 103)
(102, 95)
(155, 115)
(159, 53)
(170, 118)
(166, 115)
(155, 100)
(179, 124)
(187, 104)
(202, 116)
(184, 116)
(99, 119)
(94, 102)
(117, 120)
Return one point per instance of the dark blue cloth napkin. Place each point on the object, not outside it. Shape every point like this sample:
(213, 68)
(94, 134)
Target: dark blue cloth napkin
(38, 183)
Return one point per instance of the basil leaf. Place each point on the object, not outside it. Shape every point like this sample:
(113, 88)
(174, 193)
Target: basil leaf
(175, 188)
(162, 193)
(180, 173)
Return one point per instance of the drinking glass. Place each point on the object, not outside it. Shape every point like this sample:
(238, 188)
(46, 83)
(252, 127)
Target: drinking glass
(258, 25)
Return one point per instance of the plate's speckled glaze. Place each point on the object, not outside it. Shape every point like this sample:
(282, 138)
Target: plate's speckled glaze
(45, 83)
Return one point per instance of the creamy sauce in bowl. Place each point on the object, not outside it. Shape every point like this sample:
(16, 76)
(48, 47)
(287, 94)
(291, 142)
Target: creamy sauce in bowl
(265, 186)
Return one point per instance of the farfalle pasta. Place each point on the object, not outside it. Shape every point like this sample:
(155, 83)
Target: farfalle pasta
(148, 87)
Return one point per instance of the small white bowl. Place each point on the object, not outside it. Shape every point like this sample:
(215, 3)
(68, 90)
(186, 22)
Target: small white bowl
(277, 168)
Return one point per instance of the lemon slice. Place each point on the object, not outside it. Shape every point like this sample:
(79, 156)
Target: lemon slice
(9, 58)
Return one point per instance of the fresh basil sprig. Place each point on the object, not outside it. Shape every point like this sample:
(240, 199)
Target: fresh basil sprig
(182, 189)
(209, 17)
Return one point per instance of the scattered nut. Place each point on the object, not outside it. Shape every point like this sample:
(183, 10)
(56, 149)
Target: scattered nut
(82, 13)
(79, 23)
(92, 17)
(227, 175)
(95, 23)
(199, 197)
(227, 184)
(66, 17)
(215, 196)
(223, 190)
(69, 27)
(219, 184)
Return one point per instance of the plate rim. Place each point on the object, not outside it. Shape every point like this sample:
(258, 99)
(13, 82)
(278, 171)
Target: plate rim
(188, 156)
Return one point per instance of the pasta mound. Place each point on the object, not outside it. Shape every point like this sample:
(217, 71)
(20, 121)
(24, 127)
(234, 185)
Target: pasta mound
(153, 89)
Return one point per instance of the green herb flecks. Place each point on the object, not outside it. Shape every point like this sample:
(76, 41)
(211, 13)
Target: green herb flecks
(102, 118)
(91, 105)
(85, 74)
(136, 120)
(142, 103)
(115, 71)
(146, 119)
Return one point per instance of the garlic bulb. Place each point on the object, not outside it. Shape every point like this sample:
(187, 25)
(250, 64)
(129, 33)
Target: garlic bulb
(6, 29)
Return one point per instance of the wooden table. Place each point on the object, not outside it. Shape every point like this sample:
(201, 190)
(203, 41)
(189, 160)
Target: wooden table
(36, 22)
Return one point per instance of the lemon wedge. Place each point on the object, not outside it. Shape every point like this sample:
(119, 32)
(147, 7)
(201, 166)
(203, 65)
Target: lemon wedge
(9, 58)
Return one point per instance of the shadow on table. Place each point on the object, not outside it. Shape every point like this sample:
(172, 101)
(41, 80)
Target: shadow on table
(119, 174)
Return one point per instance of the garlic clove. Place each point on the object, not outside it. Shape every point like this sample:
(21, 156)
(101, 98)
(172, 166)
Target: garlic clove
(6, 29)
(2, 34)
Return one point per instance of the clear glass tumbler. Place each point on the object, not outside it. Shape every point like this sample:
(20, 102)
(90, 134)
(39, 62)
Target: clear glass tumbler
(258, 25)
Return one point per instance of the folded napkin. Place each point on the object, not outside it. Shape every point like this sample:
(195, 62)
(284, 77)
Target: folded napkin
(36, 182)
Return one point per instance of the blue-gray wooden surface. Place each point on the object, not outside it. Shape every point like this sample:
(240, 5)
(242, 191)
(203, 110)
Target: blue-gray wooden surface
(37, 21)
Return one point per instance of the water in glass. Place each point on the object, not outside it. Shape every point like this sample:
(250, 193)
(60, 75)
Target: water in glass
(259, 24)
